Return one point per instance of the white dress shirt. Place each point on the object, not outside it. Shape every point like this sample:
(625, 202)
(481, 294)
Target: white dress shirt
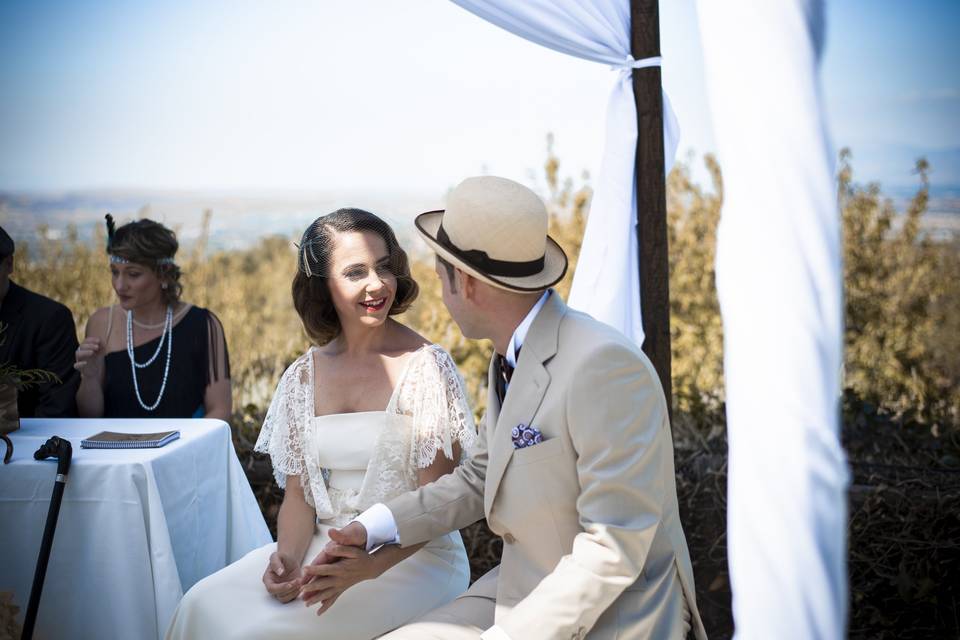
(379, 521)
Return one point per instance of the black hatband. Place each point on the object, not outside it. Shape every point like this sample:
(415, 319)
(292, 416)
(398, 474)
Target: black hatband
(484, 263)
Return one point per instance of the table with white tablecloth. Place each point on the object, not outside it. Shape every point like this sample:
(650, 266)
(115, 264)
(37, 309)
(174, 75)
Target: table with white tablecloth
(137, 527)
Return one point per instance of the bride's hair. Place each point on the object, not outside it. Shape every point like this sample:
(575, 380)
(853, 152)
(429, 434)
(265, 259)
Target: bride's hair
(311, 292)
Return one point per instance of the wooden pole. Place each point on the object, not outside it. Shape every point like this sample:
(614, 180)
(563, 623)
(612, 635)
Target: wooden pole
(651, 192)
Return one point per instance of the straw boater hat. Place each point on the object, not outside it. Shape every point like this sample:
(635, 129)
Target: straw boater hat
(496, 230)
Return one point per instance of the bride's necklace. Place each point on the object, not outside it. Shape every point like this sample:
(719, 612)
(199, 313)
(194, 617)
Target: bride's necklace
(176, 317)
(165, 336)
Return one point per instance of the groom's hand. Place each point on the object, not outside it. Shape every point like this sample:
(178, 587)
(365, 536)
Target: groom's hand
(352, 535)
(325, 582)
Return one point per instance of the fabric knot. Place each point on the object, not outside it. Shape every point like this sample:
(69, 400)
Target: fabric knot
(629, 63)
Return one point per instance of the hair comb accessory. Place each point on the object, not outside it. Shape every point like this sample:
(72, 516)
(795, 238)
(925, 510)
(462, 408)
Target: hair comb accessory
(313, 242)
(315, 249)
(303, 262)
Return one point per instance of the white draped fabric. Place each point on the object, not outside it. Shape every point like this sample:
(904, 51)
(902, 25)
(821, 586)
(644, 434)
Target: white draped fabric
(606, 283)
(779, 280)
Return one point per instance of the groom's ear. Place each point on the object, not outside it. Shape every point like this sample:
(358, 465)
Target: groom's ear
(467, 283)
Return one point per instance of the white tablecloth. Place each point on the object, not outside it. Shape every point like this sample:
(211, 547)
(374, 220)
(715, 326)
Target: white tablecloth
(137, 527)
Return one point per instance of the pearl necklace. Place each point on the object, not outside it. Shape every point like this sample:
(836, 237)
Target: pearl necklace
(176, 317)
(166, 336)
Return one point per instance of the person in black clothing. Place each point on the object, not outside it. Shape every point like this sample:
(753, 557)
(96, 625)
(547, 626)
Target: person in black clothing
(38, 333)
(152, 355)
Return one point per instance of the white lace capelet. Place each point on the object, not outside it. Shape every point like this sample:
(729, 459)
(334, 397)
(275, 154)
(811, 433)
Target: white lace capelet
(427, 413)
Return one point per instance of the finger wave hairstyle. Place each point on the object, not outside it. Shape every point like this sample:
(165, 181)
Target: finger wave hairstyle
(152, 245)
(311, 291)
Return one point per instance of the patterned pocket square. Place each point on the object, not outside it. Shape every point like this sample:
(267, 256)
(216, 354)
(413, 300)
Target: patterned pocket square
(524, 436)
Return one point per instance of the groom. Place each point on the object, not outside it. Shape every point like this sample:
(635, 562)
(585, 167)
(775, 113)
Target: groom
(574, 463)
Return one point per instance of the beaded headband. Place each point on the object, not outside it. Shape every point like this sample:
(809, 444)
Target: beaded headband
(115, 259)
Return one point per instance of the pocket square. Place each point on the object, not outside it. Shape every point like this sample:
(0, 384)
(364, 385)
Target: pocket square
(524, 436)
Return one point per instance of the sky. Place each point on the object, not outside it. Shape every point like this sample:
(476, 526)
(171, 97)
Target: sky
(296, 95)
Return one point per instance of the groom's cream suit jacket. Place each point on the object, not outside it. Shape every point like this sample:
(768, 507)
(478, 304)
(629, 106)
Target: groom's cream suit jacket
(593, 545)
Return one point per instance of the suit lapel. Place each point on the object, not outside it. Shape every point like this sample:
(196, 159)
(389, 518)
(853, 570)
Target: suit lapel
(493, 402)
(527, 388)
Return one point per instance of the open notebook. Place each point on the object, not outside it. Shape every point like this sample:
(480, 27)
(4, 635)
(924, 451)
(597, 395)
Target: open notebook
(114, 440)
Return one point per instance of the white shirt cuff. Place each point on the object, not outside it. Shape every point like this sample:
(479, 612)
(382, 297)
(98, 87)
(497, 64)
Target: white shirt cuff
(494, 633)
(380, 525)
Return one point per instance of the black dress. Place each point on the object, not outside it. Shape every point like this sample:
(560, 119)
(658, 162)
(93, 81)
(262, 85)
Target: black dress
(199, 357)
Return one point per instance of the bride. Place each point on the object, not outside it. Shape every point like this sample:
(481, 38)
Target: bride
(373, 411)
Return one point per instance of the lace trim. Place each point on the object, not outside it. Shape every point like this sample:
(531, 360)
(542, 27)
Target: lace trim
(285, 435)
(433, 395)
(427, 413)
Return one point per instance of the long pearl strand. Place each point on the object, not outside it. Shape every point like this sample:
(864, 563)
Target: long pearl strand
(166, 336)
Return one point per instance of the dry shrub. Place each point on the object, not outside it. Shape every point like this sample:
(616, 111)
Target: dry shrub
(696, 333)
(902, 305)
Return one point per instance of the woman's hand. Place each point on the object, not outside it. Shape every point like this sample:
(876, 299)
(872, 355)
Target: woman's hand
(283, 578)
(89, 358)
(333, 571)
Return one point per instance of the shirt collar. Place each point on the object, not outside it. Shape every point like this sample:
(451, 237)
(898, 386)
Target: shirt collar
(520, 333)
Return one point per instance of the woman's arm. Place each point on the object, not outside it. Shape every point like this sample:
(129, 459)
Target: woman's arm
(217, 397)
(295, 522)
(218, 400)
(295, 525)
(344, 566)
(90, 363)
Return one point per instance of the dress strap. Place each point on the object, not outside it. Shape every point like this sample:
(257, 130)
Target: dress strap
(106, 338)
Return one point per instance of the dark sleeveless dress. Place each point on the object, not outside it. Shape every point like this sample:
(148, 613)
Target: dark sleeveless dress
(194, 363)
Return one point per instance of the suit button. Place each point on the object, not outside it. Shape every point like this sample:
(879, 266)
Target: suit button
(508, 538)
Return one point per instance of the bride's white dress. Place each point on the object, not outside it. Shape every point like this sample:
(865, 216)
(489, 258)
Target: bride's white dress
(346, 462)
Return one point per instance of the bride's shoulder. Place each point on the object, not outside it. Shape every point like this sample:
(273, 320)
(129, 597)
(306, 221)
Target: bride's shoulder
(431, 360)
(299, 369)
(403, 338)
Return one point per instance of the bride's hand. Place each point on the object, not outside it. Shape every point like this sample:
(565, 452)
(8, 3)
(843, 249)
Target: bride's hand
(282, 578)
(333, 571)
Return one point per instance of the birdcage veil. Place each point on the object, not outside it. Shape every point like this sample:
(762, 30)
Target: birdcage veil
(316, 246)
(311, 291)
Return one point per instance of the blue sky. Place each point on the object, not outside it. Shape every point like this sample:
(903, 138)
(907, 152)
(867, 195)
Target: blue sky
(290, 94)
(892, 84)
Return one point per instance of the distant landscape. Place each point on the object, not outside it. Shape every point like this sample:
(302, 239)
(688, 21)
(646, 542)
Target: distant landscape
(238, 221)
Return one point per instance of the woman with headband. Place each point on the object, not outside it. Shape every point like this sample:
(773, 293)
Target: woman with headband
(369, 412)
(152, 355)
